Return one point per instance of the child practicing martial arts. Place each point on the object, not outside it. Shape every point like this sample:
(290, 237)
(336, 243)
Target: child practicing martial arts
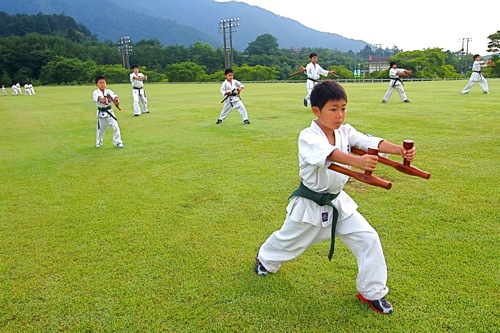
(231, 90)
(313, 71)
(396, 83)
(320, 210)
(138, 94)
(477, 75)
(103, 98)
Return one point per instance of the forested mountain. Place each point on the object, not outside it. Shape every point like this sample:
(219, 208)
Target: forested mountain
(183, 22)
(54, 25)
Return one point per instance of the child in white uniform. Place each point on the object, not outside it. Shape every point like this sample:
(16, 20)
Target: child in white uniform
(103, 98)
(231, 90)
(396, 83)
(321, 203)
(313, 71)
(137, 79)
(477, 76)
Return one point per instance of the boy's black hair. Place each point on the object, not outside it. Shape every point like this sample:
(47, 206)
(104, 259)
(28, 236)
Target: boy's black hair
(392, 63)
(476, 55)
(326, 91)
(228, 70)
(99, 77)
(312, 55)
(134, 66)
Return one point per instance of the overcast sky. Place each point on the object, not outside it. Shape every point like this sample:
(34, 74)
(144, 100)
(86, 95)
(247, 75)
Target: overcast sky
(409, 25)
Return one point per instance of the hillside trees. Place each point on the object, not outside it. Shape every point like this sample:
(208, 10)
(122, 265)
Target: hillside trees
(428, 63)
(186, 72)
(263, 45)
(67, 70)
(69, 48)
(23, 58)
(494, 46)
(56, 25)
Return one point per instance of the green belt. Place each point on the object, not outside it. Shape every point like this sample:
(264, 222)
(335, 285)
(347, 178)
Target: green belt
(104, 109)
(322, 200)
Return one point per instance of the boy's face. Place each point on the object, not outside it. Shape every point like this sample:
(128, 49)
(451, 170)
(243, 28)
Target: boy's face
(314, 59)
(332, 115)
(229, 76)
(136, 70)
(101, 84)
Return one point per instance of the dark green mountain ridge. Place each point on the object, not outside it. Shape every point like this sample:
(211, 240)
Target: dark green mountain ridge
(182, 22)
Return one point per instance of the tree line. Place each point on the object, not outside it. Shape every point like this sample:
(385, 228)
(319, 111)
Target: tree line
(54, 49)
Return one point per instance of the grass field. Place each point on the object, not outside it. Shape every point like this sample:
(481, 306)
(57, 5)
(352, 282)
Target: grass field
(161, 236)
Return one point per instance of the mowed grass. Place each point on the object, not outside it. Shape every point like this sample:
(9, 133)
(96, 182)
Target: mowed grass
(161, 236)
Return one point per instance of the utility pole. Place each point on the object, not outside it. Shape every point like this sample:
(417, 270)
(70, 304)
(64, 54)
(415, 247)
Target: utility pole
(227, 26)
(124, 49)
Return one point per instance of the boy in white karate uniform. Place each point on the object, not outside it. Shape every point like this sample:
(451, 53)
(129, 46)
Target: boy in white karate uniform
(477, 76)
(103, 98)
(231, 90)
(320, 210)
(396, 83)
(138, 94)
(313, 71)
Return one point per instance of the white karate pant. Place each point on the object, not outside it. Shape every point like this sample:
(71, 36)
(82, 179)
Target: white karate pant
(399, 87)
(308, 96)
(355, 232)
(227, 108)
(309, 86)
(140, 95)
(102, 123)
(483, 83)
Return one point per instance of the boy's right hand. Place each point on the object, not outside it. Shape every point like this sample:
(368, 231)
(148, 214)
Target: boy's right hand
(367, 162)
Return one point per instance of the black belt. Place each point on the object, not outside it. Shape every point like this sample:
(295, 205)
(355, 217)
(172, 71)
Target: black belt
(106, 109)
(137, 88)
(396, 81)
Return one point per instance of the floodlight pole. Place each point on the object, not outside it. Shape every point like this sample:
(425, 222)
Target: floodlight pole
(227, 26)
(124, 49)
(296, 50)
(467, 40)
(379, 48)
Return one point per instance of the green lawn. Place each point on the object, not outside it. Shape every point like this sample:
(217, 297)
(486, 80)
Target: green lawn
(161, 236)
